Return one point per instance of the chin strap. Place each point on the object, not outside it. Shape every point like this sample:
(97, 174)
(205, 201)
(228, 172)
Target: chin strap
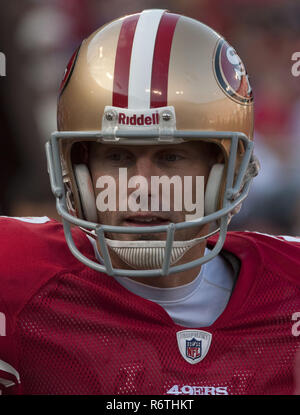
(150, 254)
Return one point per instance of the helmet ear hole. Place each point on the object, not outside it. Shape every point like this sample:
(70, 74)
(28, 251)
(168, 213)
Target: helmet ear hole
(86, 192)
(213, 187)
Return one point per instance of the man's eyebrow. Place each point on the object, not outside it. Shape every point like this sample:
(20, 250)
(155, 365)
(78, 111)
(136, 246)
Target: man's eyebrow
(172, 148)
(104, 148)
(116, 147)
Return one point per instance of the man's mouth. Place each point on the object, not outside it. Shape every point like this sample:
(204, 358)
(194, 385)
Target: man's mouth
(145, 220)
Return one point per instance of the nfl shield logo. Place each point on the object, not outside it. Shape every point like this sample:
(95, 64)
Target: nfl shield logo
(193, 344)
(193, 348)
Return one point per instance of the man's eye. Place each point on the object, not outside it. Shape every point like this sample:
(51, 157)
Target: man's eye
(115, 156)
(170, 157)
(119, 156)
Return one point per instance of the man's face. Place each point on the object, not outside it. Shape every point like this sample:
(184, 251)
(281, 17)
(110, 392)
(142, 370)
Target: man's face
(181, 160)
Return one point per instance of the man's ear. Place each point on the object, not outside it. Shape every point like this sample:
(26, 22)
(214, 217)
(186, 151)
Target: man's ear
(215, 154)
(220, 158)
(80, 153)
(86, 192)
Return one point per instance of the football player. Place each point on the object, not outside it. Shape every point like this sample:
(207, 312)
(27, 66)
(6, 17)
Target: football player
(129, 294)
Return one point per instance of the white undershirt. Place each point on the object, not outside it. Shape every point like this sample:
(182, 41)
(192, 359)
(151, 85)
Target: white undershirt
(196, 304)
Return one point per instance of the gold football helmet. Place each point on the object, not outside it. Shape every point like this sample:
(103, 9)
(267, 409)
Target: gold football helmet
(150, 78)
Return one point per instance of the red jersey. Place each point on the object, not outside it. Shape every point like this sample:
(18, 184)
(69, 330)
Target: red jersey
(67, 329)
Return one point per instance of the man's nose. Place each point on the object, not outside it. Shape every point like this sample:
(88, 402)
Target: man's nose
(146, 167)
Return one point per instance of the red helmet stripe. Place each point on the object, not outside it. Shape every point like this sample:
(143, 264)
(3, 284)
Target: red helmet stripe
(161, 60)
(122, 62)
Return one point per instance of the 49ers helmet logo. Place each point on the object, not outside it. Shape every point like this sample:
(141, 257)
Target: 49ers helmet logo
(231, 73)
(68, 71)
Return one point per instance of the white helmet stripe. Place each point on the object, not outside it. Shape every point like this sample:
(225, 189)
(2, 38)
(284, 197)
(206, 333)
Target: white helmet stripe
(141, 59)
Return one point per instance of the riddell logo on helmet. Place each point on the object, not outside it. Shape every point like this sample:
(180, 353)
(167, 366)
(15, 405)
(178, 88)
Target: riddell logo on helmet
(142, 119)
